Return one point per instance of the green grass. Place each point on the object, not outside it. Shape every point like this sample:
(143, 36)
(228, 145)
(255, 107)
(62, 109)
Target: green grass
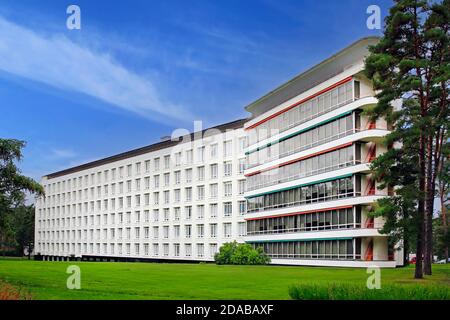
(346, 291)
(106, 280)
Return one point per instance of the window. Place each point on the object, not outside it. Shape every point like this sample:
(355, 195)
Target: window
(241, 165)
(176, 249)
(200, 230)
(188, 175)
(129, 168)
(177, 214)
(242, 229)
(188, 193)
(212, 250)
(156, 181)
(214, 170)
(147, 166)
(178, 159)
(166, 214)
(167, 162)
(166, 179)
(227, 230)
(241, 186)
(156, 164)
(213, 190)
(177, 195)
(201, 154)
(242, 207)
(155, 232)
(227, 189)
(138, 168)
(155, 215)
(188, 212)
(166, 197)
(200, 211)
(137, 232)
(200, 249)
(137, 200)
(242, 144)
(155, 198)
(227, 168)
(200, 192)
(188, 231)
(213, 230)
(201, 173)
(227, 209)
(227, 148)
(189, 157)
(213, 149)
(176, 231)
(177, 177)
(188, 249)
(213, 210)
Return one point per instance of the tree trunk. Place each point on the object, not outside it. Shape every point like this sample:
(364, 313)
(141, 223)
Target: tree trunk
(429, 206)
(418, 274)
(444, 219)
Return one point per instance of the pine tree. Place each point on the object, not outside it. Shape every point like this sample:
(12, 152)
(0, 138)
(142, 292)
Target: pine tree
(412, 62)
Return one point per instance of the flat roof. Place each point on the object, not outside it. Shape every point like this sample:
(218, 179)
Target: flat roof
(315, 75)
(150, 148)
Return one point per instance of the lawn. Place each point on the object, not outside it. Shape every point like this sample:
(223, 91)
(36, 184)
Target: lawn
(109, 280)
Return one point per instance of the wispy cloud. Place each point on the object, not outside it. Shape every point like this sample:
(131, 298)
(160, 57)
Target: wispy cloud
(59, 62)
(62, 154)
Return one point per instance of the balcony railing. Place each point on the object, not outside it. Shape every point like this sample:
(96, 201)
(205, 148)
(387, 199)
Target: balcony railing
(302, 175)
(277, 156)
(322, 256)
(306, 229)
(306, 201)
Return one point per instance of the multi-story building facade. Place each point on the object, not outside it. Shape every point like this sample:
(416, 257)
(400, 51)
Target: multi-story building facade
(310, 191)
(179, 199)
(294, 179)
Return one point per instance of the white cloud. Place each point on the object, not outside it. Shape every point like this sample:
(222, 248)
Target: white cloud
(59, 62)
(63, 153)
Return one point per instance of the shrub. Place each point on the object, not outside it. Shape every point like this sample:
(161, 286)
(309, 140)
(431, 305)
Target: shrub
(240, 254)
(8, 292)
(342, 291)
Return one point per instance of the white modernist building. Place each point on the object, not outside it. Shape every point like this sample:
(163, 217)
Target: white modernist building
(309, 187)
(179, 199)
(293, 178)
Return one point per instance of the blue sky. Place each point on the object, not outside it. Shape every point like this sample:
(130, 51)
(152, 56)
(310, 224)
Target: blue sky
(139, 69)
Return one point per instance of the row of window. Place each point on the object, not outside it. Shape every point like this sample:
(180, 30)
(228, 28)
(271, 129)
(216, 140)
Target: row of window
(144, 199)
(326, 162)
(349, 249)
(325, 191)
(292, 144)
(98, 219)
(129, 186)
(137, 233)
(119, 173)
(311, 109)
(125, 249)
(349, 218)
